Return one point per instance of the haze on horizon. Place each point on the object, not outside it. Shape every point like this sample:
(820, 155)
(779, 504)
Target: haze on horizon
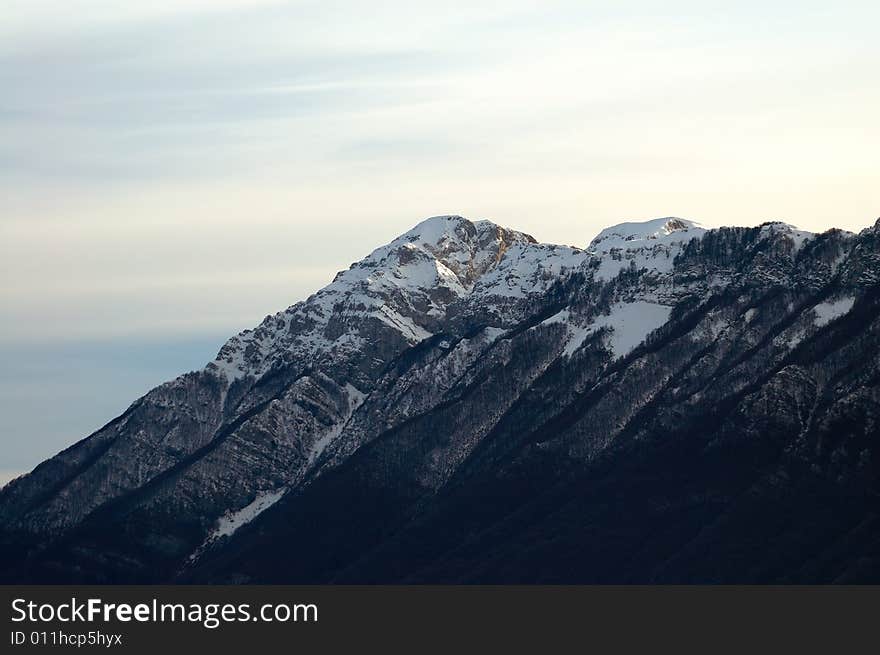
(171, 172)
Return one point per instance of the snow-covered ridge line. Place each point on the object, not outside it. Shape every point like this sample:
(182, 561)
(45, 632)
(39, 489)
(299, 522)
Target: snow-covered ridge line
(409, 285)
(406, 286)
(652, 245)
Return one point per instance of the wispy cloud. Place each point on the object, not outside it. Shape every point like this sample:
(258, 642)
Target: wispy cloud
(170, 170)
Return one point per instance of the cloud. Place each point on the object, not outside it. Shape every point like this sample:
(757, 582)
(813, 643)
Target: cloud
(170, 172)
(149, 146)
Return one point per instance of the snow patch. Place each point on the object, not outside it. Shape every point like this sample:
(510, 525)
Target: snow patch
(491, 334)
(631, 323)
(830, 310)
(229, 523)
(628, 323)
(577, 335)
(558, 317)
(790, 338)
(355, 399)
(527, 268)
(403, 324)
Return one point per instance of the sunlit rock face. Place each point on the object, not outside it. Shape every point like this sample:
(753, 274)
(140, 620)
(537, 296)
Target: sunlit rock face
(465, 404)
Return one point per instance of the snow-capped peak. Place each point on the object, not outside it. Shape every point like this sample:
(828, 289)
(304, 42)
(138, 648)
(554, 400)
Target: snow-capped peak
(460, 251)
(439, 229)
(403, 291)
(795, 235)
(628, 235)
(650, 245)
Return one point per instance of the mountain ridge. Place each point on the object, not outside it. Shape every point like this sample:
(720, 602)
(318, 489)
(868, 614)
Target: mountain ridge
(448, 332)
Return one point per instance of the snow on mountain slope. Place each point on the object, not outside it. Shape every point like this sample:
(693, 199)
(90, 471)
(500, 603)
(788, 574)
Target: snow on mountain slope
(529, 268)
(233, 521)
(830, 310)
(443, 270)
(630, 323)
(628, 235)
(794, 235)
(650, 244)
(407, 285)
(435, 341)
(287, 391)
(411, 284)
(355, 400)
(626, 324)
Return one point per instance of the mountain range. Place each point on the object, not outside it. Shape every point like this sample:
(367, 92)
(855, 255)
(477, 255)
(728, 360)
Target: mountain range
(669, 404)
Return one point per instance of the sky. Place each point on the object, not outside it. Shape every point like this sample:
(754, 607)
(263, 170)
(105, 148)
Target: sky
(173, 171)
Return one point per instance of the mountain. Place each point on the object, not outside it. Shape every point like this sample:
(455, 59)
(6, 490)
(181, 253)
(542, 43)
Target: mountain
(465, 404)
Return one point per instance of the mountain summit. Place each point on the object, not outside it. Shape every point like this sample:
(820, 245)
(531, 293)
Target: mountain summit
(668, 404)
(410, 286)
